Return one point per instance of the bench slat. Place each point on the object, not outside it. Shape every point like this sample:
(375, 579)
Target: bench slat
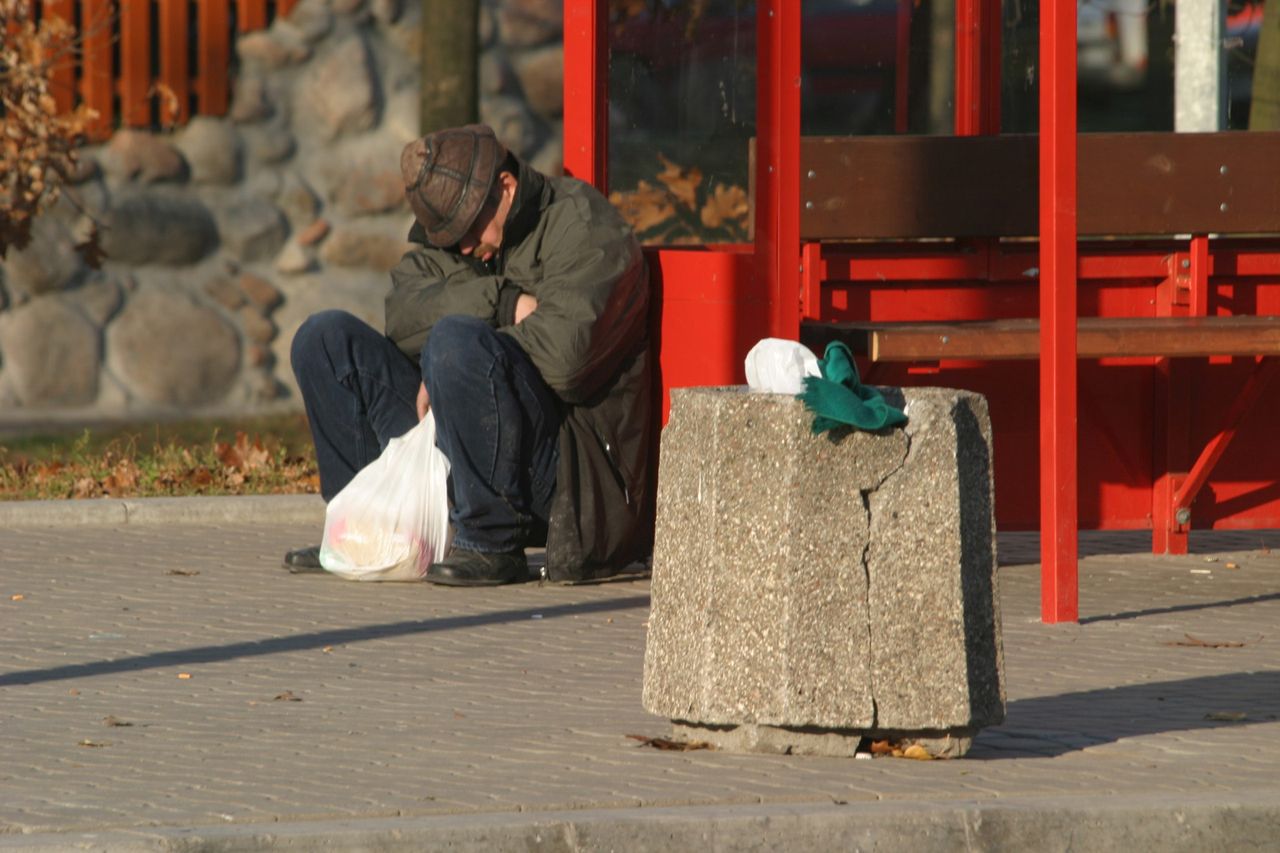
(907, 187)
(1097, 337)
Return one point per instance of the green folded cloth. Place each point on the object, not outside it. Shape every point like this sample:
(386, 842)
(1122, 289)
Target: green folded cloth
(839, 398)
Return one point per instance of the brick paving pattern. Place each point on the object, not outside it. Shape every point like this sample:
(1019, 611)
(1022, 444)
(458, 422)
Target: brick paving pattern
(249, 695)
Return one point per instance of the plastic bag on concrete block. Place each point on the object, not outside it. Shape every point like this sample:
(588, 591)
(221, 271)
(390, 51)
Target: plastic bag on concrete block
(776, 366)
(392, 520)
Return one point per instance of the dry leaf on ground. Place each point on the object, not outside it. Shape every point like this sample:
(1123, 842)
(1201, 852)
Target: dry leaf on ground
(895, 749)
(917, 752)
(243, 455)
(1196, 642)
(668, 744)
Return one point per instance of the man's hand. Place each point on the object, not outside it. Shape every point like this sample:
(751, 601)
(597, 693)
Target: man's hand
(525, 306)
(424, 402)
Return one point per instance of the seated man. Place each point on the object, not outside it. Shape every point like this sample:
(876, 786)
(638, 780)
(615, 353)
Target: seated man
(521, 320)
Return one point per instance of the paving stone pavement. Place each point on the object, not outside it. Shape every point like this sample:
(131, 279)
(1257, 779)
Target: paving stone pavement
(171, 678)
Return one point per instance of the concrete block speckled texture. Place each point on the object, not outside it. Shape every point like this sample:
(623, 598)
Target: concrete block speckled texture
(936, 653)
(773, 600)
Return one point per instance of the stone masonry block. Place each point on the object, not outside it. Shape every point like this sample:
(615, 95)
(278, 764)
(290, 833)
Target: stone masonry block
(838, 583)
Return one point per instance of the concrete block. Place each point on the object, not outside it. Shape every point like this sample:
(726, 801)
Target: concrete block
(936, 656)
(779, 601)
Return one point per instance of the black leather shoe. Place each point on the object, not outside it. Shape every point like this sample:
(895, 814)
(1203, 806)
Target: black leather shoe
(476, 568)
(301, 561)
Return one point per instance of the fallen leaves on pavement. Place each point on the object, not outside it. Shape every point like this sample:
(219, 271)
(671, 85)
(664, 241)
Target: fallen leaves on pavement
(1226, 716)
(672, 745)
(1196, 642)
(895, 749)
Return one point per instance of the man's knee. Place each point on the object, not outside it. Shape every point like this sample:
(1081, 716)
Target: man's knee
(321, 330)
(456, 341)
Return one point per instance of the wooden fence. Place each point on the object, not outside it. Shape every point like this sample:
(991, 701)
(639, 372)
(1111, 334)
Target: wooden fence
(148, 63)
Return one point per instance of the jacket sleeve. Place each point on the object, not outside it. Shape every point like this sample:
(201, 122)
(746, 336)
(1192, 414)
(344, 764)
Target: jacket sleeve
(593, 300)
(429, 284)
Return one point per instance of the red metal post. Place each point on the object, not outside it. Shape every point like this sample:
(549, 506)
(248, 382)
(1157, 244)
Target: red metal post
(812, 274)
(977, 106)
(586, 78)
(778, 199)
(992, 24)
(968, 104)
(1058, 487)
(1201, 267)
(902, 68)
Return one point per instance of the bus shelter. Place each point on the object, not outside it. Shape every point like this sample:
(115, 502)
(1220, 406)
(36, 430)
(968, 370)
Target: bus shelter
(917, 184)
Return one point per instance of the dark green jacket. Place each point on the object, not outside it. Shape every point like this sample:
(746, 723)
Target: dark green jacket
(565, 244)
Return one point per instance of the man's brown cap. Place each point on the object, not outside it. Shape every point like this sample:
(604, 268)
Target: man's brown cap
(447, 177)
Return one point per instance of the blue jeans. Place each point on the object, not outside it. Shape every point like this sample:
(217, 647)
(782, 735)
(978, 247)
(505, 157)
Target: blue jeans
(497, 422)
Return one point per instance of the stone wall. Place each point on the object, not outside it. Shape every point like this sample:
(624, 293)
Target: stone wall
(222, 236)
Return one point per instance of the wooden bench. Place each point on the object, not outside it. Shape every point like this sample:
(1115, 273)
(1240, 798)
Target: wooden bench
(954, 188)
(1097, 337)
(945, 189)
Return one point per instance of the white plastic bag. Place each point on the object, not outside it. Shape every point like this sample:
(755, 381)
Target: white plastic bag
(776, 366)
(392, 520)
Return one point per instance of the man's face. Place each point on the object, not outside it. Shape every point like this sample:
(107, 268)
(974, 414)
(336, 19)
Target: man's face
(484, 237)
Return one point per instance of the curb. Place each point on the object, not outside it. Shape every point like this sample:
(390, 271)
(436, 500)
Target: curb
(1088, 823)
(113, 512)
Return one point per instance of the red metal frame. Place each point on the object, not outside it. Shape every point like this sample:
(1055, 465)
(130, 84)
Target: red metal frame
(777, 212)
(977, 102)
(1058, 486)
(902, 69)
(586, 92)
(1134, 418)
(1186, 492)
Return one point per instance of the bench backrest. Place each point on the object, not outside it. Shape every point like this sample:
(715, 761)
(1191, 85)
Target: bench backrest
(912, 187)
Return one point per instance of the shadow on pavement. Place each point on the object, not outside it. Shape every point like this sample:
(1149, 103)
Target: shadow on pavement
(318, 639)
(1180, 608)
(1047, 726)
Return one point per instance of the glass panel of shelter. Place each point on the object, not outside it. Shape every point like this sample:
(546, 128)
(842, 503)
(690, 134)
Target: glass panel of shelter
(682, 98)
(682, 109)
(682, 88)
(1127, 56)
